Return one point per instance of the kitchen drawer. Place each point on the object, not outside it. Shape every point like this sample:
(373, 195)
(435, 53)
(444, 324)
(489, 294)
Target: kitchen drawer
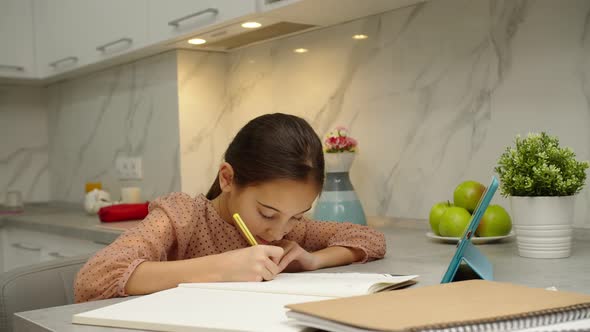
(21, 247)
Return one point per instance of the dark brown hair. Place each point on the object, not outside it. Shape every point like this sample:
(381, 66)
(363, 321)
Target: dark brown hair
(274, 146)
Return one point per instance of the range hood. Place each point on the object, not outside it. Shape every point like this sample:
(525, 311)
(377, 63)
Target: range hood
(280, 18)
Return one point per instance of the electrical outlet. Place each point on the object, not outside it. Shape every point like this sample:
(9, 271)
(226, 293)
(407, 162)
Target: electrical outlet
(129, 168)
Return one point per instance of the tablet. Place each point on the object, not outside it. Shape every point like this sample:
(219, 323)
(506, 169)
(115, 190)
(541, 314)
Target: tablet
(466, 254)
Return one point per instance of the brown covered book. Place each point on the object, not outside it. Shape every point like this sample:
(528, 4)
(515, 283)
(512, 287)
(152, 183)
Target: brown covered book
(480, 305)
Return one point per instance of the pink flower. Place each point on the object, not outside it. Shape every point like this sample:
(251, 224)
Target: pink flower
(351, 141)
(339, 141)
(330, 141)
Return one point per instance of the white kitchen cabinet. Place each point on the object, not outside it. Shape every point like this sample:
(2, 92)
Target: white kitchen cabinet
(18, 251)
(57, 246)
(116, 27)
(169, 20)
(61, 35)
(72, 37)
(21, 247)
(16, 39)
(74, 33)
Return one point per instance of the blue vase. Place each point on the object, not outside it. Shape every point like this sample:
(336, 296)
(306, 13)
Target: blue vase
(338, 200)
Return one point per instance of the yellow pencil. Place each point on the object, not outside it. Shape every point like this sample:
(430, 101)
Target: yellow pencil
(245, 231)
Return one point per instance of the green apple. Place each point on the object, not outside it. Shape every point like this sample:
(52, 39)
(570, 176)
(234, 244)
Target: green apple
(436, 213)
(494, 222)
(467, 195)
(454, 221)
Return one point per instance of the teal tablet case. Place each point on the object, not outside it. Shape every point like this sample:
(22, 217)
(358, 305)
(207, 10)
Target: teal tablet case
(468, 262)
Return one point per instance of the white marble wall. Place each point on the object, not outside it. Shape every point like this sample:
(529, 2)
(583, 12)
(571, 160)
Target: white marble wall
(23, 143)
(127, 110)
(201, 107)
(434, 95)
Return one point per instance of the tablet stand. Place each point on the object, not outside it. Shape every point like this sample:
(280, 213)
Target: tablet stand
(473, 265)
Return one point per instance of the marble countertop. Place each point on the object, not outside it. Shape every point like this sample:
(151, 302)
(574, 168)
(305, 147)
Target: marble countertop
(65, 219)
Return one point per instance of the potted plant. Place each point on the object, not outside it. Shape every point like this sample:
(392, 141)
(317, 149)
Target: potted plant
(338, 200)
(541, 180)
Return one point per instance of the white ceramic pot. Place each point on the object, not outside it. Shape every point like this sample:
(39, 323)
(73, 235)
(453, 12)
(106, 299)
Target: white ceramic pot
(338, 161)
(543, 225)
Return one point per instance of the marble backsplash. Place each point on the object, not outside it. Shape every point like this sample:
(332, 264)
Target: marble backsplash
(130, 110)
(202, 102)
(24, 163)
(433, 95)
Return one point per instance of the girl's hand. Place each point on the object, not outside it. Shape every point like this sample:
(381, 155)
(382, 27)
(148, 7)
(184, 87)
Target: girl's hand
(295, 258)
(255, 263)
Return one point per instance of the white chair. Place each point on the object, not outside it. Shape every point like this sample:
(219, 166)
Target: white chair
(37, 286)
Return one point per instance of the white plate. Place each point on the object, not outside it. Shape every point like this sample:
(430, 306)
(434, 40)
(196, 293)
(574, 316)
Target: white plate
(475, 239)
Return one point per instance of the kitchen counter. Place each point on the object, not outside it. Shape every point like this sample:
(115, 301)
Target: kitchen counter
(409, 251)
(72, 221)
(67, 220)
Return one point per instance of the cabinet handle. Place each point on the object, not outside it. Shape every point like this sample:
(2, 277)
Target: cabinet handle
(103, 47)
(56, 255)
(12, 67)
(25, 247)
(175, 23)
(70, 58)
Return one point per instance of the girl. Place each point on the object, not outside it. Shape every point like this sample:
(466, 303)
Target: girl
(273, 171)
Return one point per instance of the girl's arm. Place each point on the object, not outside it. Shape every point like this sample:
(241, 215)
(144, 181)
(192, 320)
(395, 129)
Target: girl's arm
(337, 256)
(336, 243)
(150, 257)
(163, 234)
(248, 264)
(151, 277)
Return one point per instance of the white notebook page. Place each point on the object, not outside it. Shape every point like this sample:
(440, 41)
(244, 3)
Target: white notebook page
(316, 284)
(194, 309)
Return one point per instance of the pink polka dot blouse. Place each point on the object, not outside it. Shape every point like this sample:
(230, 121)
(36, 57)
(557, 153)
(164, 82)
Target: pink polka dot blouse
(179, 226)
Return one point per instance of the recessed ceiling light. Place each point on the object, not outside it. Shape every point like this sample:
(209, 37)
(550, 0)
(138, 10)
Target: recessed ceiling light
(197, 41)
(360, 36)
(301, 50)
(251, 25)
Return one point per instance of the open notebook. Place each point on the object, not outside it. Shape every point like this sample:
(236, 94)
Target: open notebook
(236, 306)
(317, 284)
(475, 305)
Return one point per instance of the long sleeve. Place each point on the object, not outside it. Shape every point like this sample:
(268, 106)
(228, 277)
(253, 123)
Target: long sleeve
(161, 236)
(315, 235)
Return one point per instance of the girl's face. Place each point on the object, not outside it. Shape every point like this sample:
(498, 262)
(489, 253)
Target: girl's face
(271, 209)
